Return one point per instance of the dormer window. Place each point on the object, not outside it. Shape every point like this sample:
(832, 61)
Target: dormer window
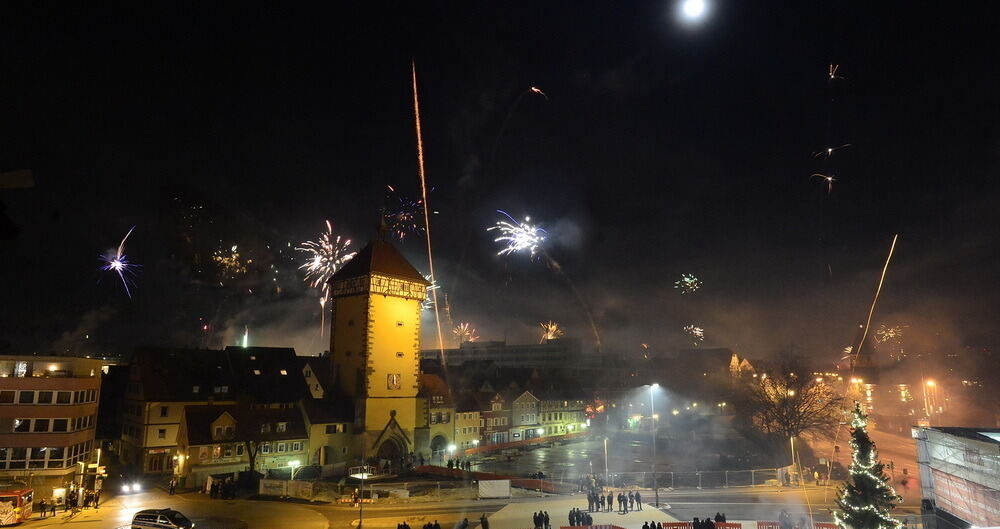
(194, 389)
(283, 372)
(221, 389)
(437, 399)
(282, 426)
(256, 371)
(265, 428)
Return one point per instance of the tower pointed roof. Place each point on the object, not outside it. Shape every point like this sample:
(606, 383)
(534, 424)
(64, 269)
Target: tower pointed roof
(379, 257)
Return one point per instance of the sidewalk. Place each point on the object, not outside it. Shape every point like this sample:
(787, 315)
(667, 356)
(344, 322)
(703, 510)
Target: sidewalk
(518, 515)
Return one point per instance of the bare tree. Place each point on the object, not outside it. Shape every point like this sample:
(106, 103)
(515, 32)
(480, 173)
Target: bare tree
(789, 401)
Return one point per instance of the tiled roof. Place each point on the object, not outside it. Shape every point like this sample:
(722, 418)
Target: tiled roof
(330, 409)
(381, 257)
(199, 419)
(253, 373)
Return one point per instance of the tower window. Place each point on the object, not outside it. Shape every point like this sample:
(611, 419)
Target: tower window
(399, 355)
(350, 323)
(399, 324)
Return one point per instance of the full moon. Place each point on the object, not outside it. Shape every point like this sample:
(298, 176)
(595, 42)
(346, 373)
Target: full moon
(693, 10)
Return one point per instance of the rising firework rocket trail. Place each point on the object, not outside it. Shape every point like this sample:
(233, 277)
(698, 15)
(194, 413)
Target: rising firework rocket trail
(326, 256)
(427, 218)
(118, 263)
(517, 236)
(687, 284)
(550, 331)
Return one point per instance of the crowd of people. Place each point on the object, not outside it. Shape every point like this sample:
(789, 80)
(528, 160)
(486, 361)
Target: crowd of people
(707, 522)
(460, 465)
(74, 499)
(484, 523)
(541, 519)
(222, 489)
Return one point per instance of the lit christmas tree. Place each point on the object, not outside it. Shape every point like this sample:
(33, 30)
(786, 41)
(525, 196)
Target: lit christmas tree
(866, 499)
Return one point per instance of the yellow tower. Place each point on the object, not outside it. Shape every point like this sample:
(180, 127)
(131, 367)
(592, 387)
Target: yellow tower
(375, 346)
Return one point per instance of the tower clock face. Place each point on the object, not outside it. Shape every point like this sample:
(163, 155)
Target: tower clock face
(392, 380)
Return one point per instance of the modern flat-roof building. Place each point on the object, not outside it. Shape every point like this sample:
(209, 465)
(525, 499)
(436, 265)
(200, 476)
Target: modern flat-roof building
(959, 476)
(48, 415)
(561, 353)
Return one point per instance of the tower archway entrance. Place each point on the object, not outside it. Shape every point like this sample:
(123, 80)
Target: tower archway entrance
(391, 451)
(439, 446)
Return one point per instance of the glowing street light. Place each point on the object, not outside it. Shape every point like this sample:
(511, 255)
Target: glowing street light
(931, 383)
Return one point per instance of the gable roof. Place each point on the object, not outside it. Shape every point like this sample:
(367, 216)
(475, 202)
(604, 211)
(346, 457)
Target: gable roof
(173, 374)
(329, 409)
(435, 386)
(379, 257)
(199, 419)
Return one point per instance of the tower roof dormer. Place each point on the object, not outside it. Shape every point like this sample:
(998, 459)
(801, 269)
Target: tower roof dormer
(379, 257)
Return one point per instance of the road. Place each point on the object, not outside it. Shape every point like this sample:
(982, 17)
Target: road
(207, 514)
(570, 460)
(899, 449)
(759, 503)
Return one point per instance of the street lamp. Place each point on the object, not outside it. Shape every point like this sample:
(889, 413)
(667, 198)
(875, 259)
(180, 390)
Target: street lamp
(653, 417)
(362, 473)
(294, 464)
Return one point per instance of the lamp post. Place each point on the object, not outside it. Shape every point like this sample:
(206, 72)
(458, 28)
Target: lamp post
(362, 474)
(652, 418)
(294, 464)
(606, 478)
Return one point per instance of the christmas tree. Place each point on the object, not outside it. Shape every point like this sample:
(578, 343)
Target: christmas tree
(867, 497)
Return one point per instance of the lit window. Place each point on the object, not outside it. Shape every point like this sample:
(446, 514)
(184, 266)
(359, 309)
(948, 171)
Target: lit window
(296, 446)
(256, 371)
(282, 426)
(283, 372)
(265, 428)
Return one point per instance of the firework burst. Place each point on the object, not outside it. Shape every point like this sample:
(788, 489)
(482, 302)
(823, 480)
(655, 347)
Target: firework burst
(886, 333)
(325, 256)
(465, 332)
(428, 302)
(407, 218)
(696, 333)
(230, 263)
(118, 263)
(517, 236)
(550, 331)
(687, 284)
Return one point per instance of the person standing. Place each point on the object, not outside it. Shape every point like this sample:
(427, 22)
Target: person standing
(483, 522)
(42, 508)
(631, 501)
(545, 520)
(611, 502)
(638, 501)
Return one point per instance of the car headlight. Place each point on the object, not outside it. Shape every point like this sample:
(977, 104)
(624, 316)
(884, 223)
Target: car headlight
(126, 488)
(136, 487)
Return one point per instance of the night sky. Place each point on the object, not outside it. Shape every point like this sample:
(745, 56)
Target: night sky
(662, 149)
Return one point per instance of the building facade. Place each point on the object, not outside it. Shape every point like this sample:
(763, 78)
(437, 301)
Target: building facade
(468, 423)
(375, 348)
(217, 442)
(959, 476)
(48, 416)
(525, 417)
(164, 384)
(496, 415)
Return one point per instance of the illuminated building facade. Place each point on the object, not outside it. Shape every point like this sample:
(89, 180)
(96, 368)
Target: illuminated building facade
(48, 415)
(959, 476)
(375, 349)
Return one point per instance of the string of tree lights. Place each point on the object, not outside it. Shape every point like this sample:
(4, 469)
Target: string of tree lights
(867, 498)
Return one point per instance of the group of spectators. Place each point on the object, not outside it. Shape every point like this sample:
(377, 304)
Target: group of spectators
(460, 465)
(578, 517)
(709, 523)
(541, 520)
(222, 489)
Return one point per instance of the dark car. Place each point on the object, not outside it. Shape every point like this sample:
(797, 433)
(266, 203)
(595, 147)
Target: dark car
(160, 519)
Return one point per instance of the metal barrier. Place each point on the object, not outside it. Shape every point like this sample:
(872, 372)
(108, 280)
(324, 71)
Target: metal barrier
(705, 479)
